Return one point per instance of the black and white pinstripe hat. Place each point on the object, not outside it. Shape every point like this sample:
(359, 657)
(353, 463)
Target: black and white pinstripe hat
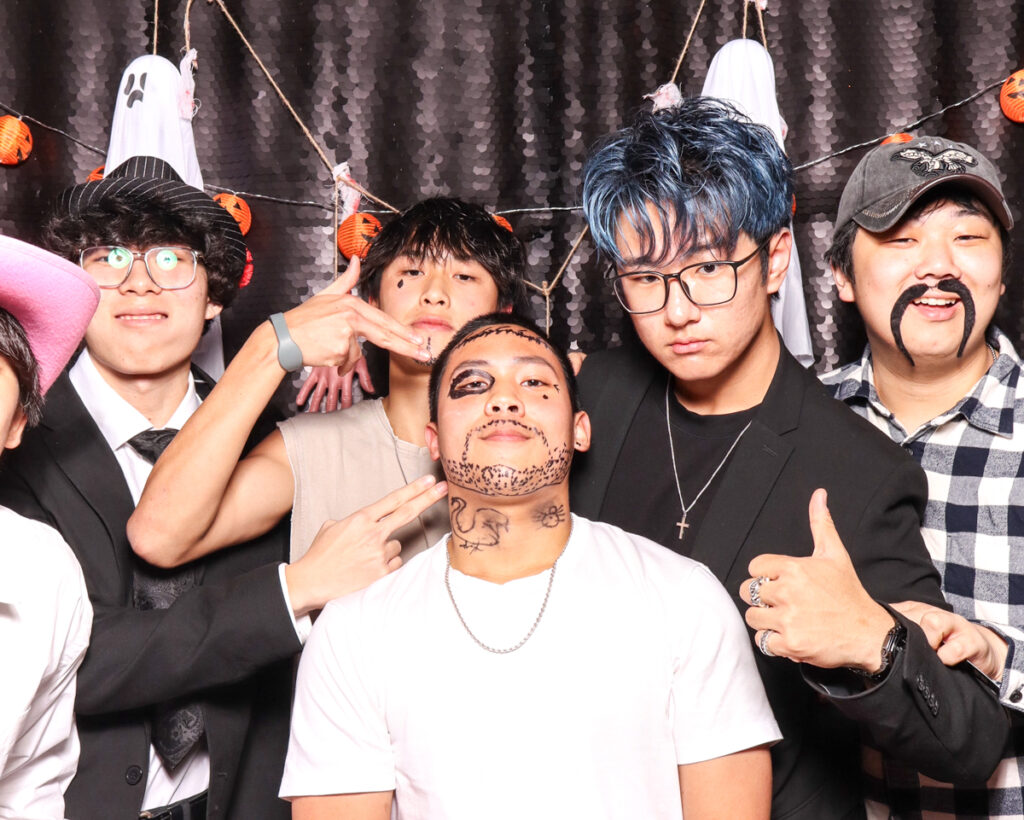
(150, 179)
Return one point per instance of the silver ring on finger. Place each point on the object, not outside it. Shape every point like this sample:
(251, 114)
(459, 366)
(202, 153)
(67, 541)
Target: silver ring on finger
(755, 591)
(762, 643)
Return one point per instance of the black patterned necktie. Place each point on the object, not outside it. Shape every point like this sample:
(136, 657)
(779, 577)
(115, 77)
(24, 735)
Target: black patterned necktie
(177, 725)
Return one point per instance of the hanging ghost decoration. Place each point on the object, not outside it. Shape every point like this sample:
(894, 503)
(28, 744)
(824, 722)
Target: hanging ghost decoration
(153, 116)
(742, 73)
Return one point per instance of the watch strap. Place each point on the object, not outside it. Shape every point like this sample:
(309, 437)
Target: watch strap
(289, 356)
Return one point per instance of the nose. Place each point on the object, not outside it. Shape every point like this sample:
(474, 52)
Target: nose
(435, 289)
(504, 400)
(138, 280)
(679, 310)
(936, 261)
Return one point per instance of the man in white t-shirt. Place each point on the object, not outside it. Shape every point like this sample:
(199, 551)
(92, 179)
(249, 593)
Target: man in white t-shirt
(533, 663)
(45, 615)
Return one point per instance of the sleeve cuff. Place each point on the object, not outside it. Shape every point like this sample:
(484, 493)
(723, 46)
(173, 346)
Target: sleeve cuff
(304, 625)
(1011, 688)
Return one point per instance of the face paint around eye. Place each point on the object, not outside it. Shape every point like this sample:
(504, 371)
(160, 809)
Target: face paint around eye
(401, 283)
(470, 382)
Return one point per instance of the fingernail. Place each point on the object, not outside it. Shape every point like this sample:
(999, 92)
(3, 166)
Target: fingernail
(442, 487)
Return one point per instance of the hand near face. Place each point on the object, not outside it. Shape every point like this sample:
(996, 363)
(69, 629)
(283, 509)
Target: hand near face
(816, 606)
(956, 639)
(351, 554)
(327, 327)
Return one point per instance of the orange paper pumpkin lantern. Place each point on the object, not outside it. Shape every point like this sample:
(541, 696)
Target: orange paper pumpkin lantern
(1011, 96)
(238, 208)
(356, 233)
(503, 222)
(15, 140)
(903, 136)
(96, 174)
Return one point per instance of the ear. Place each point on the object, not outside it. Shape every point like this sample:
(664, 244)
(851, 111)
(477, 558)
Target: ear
(581, 431)
(779, 249)
(213, 310)
(16, 429)
(844, 285)
(432, 440)
(506, 309)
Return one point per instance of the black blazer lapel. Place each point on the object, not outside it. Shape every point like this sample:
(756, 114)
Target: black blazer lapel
(81, 452)
(756, 465)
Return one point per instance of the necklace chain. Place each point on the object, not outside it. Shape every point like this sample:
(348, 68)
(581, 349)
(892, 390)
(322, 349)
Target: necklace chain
(405, 478)
(536, 622)
(675, 472)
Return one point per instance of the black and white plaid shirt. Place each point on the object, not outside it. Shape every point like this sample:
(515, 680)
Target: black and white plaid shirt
(973, 455)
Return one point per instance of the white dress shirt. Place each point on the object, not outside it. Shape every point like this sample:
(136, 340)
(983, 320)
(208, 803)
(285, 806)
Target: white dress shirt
(118, 422)
(45, 621)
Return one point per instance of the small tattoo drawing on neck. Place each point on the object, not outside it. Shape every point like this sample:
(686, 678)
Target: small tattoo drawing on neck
(550, 517)
(477, 531)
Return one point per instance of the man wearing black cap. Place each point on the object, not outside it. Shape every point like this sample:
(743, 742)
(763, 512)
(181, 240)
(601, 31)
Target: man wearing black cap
(920, 247)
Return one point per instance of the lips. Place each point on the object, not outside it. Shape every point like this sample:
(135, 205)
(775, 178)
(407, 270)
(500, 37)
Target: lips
(505, 430)
(684, 347)
(432, 323)
(140, 317)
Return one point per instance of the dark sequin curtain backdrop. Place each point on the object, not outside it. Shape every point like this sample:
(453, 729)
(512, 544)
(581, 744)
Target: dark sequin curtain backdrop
(498, 101)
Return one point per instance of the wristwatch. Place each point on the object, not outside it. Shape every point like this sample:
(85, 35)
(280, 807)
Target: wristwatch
(895, 640)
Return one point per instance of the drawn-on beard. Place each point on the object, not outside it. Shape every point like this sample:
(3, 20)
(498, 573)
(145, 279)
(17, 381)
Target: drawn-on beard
(915, 292)
(502, 479)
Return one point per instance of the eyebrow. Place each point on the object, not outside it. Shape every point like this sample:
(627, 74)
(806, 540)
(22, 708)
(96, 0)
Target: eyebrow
(693, 250)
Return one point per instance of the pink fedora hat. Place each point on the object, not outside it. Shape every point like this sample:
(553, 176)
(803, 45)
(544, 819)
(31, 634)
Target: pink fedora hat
(53, 298)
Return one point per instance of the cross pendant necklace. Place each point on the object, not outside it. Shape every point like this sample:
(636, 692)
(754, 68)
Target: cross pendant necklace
(683, 526)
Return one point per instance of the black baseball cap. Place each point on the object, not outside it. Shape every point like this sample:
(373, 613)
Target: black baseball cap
(891, 177)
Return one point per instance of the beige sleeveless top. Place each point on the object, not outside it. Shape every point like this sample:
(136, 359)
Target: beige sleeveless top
(346, 460)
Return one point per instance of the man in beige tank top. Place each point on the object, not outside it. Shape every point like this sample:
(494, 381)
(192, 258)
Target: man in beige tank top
(428, 272)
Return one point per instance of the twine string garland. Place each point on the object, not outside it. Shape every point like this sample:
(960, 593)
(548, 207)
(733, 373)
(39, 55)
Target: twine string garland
(547, 288)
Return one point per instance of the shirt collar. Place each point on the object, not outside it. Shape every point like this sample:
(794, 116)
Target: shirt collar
(990, 405)
(118, 420)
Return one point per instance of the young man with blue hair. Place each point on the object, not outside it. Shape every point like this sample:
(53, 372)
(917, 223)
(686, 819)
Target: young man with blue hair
(711, 439)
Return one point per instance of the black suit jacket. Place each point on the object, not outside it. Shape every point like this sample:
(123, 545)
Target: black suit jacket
(229, 641)
(944, 722)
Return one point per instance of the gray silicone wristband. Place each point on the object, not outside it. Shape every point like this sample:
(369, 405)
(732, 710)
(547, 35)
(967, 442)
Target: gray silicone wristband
(288, 354)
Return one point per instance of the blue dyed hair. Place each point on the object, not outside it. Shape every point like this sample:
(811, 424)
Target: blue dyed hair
(705, 169)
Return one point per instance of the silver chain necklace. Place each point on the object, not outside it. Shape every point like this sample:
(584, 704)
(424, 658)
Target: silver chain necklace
(543, 606)
(675, 472)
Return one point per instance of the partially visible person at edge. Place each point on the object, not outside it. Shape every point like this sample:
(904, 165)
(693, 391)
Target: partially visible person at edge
(921, 248)
(710, 439)
(476, 683)
(183, 697)
(431, 269)
(45, 616)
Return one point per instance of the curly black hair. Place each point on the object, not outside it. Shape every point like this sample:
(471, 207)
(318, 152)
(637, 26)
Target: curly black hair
(143, 223)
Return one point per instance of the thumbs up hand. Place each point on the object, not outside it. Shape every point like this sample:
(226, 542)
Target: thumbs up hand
(814, 609)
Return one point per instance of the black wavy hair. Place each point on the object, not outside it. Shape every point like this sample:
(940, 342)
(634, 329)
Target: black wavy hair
(443, 225)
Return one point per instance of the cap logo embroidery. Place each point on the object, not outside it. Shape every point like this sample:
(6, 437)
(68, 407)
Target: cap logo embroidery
(927, 164)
